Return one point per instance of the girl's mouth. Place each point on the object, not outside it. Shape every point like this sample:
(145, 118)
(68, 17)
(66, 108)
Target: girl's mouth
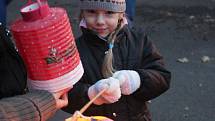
(100, 30)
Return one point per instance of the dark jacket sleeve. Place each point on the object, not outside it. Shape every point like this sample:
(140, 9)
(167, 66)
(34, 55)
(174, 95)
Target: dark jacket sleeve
(155, 78)
(33, 106)
(78, 95)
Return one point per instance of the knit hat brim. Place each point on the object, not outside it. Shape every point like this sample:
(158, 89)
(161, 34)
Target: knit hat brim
(103, 5)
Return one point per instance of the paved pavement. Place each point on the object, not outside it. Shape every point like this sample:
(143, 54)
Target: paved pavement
(184, 32)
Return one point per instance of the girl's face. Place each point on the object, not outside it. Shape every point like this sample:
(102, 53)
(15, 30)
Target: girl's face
(102, 22)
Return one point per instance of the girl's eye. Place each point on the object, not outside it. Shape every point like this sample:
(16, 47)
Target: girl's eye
(91, 11)
(110, 12)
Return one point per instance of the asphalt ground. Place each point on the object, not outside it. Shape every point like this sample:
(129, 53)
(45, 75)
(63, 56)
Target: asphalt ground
(184, 32)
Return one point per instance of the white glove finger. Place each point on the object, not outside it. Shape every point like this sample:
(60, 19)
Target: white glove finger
(131, 84)
(113, 93)
(101, 86)
(113, 85)
(118, 75)
(111, 98)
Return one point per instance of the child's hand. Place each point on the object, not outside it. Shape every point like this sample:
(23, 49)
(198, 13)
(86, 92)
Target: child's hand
(61, 98)
(129, 81)
(111, 95)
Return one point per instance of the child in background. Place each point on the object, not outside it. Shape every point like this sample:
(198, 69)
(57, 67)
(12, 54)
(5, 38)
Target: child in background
(3, 11)
(117, 58)
(130, 9)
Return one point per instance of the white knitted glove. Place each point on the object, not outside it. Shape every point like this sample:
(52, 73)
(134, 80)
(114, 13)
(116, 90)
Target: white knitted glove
(129, 81)
(111, 95)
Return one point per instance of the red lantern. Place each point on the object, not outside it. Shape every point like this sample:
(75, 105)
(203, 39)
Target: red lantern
(45, 41)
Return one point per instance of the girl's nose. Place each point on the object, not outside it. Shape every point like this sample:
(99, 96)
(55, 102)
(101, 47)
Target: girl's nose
(100, 19)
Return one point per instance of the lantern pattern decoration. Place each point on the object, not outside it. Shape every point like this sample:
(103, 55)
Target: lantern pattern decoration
(45, 40)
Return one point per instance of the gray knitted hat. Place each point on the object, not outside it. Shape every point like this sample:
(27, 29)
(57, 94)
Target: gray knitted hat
(108, 5)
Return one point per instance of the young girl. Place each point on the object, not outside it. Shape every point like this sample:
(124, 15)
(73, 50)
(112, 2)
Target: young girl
(119, 59)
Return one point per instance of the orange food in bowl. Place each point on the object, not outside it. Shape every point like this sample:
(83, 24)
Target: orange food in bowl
(93, 118)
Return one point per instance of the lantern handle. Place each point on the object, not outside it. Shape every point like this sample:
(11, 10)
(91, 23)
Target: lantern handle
(35, 9)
